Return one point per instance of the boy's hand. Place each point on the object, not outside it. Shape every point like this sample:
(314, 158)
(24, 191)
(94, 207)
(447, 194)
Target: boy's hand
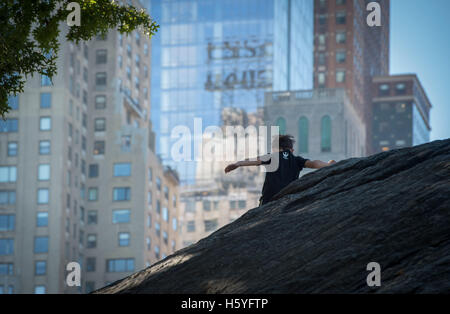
(332, 162)
(231, 168)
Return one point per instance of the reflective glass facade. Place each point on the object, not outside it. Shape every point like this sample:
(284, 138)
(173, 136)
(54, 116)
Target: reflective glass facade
(212, 54)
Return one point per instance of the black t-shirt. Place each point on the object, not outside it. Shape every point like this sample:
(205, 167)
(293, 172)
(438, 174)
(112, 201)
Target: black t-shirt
(289, 167)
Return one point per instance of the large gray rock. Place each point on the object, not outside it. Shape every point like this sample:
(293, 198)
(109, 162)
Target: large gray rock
(321, 232)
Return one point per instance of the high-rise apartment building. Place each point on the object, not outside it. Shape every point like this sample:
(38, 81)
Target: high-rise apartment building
(213, 54)
(401, 112)
(79, 179)
(348, 52)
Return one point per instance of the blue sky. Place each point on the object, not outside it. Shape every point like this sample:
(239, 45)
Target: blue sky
(420, 43)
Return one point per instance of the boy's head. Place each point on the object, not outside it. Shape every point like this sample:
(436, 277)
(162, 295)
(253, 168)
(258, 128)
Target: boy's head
(285, 142)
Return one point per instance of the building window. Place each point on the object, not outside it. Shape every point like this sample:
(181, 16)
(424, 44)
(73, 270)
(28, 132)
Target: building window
(146, 49)
(341, 37)
(322, 19)
(303, 135)
(206, 205)
(99, 147)
(6, 269)
(6, 247)
(45, 124)
(93, 194)
(124, 239)
(90, 264)
(383, 90)
(149, 243)
(321, 79)
(340, 56)
(158, 206)
(120, 61)
(126, 143)
(121, 194)
(93, 171)
(137, 60)
(39, 290)
(101, 56)
(281, 123)
(40, 245)
(129, 73)
(321, 58)
(165, 214)
(42, 219)
(7, 222)
(7, 197)
(136, 83)
(91, 241)
(43, 196)
(40, 268)
(46, 100)
(92, 217)
(13, 102)
(44, 172)
(10, 125)
(129, 50)
(326, 134)
(121, 216)
(340, 76)
(122, 169)
(85, 79)
(100, 124)
(210, 225)
(100, 102)
(191, 226)
(44, 147)
(45, 80)
(322, 39)
(100, 79)
(165, 237)
(341, 17)
(400, 89)
(158, 183)
(12, 149)
(8, 174)
(157, 229)
(120, 265)
(138, 38)
(83, 142)
(242, 204)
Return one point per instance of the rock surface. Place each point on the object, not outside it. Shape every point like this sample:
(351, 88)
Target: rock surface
(321, 232)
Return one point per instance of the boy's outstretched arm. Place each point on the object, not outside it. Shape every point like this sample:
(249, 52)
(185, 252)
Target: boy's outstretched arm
(244, 163)
(317, 164)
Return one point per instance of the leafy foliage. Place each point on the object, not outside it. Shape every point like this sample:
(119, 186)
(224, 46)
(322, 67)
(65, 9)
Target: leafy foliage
(30, 29)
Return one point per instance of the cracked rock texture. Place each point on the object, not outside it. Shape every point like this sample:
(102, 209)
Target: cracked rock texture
(321, 232)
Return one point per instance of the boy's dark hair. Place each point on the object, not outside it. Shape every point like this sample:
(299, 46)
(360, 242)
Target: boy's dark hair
(285, 142)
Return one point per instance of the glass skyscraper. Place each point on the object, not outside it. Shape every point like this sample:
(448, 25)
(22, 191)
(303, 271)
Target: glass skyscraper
(212, 54)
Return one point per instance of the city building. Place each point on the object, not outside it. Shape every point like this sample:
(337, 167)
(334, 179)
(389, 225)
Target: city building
(213, 54)
(79, 178)
(348, 52)
(401, 112)
(323, 122)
